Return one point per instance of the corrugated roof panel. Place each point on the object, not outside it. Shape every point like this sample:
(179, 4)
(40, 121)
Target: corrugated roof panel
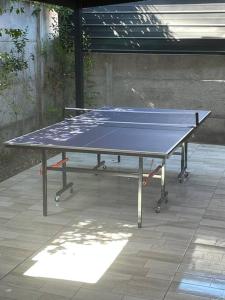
(157, 26)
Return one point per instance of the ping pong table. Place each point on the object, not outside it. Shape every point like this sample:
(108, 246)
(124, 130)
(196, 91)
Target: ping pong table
(137, 132)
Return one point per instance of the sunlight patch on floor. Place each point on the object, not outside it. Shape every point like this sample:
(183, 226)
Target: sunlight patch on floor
(79, 257)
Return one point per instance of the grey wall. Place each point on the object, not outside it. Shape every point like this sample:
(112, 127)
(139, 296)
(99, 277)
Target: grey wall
(167, 81)
(179, 81)
(19, 100)
(23, 104)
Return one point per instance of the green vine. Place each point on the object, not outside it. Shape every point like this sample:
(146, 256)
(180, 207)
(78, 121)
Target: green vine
(57, 51)
(12, 61)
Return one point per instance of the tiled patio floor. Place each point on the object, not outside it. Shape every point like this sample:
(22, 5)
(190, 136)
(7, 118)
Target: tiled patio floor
(89, 247)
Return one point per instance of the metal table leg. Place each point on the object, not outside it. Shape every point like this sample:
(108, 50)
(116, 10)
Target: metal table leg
(182, 157)
(44, 183)
(65, 185)
(98, 159)
(183, 167)
(100, 163)
(186, 155)
(140, 181)
(64, 175)
(164, 193)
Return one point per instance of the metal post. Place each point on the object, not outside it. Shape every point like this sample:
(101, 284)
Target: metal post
(38, 73)
(163, 180)
(182, 158)
(98, 159)
(140, 184)
(79, 59)
(64, 175)
(183, 166)
(44, 182)
(186, 155)
(164, 193)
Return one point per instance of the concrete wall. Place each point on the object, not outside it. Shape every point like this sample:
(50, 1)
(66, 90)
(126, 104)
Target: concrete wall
(19, 101)
(176, 81)
(167, 81)
(24, 103)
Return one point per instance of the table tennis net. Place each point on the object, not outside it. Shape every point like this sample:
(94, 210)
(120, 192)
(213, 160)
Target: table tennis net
(140, 119)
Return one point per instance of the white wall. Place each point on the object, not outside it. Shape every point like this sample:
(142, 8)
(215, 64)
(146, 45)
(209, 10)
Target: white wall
(19, 100)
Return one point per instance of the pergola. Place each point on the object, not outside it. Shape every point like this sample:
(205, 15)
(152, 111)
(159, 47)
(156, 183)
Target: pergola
(77, 6)
(208, 42)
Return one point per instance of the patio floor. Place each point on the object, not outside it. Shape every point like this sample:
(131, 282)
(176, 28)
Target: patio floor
(89, 246)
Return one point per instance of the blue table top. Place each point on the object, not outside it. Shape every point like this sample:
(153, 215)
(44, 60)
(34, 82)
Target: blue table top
(130, 131)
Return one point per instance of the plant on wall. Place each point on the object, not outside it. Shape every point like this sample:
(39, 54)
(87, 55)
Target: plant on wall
(57, 54)
(12, 61)
(59, 50)
(14, 64)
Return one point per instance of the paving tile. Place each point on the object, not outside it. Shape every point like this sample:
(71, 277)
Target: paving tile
(212, 292)
(178, 254)
(161, 266)
(61, 289)
(134, 298)
(140, 291)
(86, 294)
(218, 284)
(162, 257)
(182, 296)
(193, 279)
(48, 296)
(21, 281)
(13, 292)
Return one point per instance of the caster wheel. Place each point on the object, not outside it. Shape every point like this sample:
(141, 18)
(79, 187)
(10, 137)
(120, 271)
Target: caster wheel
(57, 198)
(104, 167)
(71, 191)
(166, 197)
(157, 209)
(144, 183)
(180, 180)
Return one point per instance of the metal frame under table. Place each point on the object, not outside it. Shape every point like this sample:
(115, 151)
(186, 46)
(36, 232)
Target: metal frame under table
(37, 141)
(100, 168)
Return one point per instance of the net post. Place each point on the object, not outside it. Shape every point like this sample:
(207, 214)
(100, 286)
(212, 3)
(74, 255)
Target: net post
(196, 118)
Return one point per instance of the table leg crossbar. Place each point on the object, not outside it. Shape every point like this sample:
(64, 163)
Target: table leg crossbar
(66, 185)
(100, 163)
(143, 178)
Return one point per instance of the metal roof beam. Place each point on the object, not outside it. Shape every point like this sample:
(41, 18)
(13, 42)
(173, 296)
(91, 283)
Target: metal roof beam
(84, 3)
(79, 56)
